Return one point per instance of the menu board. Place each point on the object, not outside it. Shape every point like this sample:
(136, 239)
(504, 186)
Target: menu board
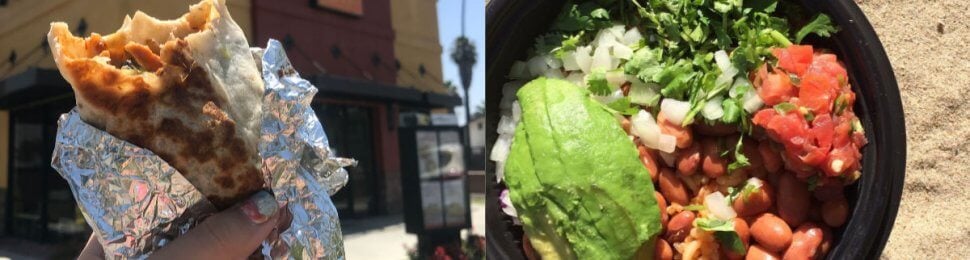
(455, 207)
(431, 203)
(451, 157)
(428, 155)
(441, 177)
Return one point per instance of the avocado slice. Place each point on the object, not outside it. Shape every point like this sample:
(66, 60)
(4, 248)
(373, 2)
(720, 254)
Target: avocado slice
(576, 179)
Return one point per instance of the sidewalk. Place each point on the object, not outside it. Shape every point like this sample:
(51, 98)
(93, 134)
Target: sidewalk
(385, 238)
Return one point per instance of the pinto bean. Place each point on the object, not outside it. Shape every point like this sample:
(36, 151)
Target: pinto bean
(793, 200)
(755, 203)
(662, 203)
(683, 134)
(771, 232)
(672, 188)
(663, 251)
(625, 123)
(688, 159)
(835, 212)
(649, 160)
(829, 189)
(679, 226)
(805, 242)
(711, 162)
(771, 159)
(756, 252)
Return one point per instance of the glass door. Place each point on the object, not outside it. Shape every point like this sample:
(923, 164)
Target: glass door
(351, 133)
(42, 207)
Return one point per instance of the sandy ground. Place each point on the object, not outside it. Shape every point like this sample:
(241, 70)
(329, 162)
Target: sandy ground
(928, 48)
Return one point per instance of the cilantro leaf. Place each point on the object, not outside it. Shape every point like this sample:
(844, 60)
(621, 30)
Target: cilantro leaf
(598, 84)
(730, 240)
(723, 232)
(820, 25)
(623, 106)
(739, 159)
(584, 17)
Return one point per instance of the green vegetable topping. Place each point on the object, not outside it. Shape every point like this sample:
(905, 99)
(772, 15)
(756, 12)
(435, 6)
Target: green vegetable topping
(598, 84)
(723, 232)
(784, 107)
(739, 159)
(820, 25)
(576, 179)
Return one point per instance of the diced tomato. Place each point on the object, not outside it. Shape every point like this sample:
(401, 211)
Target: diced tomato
(789, 129)
(794, 163)
(843, 127)
(822, 128)
(795, 58)
(841, 160)
(818, 92)
(828, 65)
(776, 88)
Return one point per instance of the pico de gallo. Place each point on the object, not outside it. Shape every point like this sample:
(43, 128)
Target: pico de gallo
(810, 112)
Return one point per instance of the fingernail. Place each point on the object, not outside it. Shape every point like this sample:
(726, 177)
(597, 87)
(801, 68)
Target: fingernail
(260, 207)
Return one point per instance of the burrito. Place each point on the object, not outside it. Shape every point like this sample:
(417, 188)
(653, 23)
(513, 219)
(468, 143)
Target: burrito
(186, 89)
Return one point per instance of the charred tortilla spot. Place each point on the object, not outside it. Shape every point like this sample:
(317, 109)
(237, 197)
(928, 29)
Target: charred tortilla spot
(225, 181)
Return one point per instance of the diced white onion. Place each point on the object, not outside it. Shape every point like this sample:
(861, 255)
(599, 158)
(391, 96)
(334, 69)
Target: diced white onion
(537, 66)
(752, 102)
(500, 171)
(621, 51)
(632, 36)
(669, 159)
(577, 78)
(615, 78)
(724, 63)
(713, 110)
(505, 125)
(736, 87)
(644, 126)
(552, 62)
(718, 206)
(519, 70)
(601, 59)
(667, 143)
(516, 111)
(553, 74)
(569, 61)
(605, 38)
(583, 58)
(617, 31)
(500, 150)
(674, 110)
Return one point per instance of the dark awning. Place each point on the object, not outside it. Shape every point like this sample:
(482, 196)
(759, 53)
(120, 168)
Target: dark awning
(36, 84)
(330, 84)
(32, 85)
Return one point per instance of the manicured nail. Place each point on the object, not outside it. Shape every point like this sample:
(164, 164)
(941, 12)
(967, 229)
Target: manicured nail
(260, 207)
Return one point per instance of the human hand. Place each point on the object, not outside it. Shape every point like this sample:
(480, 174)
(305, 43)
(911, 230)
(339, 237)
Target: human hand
(234, 233)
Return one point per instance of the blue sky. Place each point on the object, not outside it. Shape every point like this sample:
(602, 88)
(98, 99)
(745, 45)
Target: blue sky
(449, 28)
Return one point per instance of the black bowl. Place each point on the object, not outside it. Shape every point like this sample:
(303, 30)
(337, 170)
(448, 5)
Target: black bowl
(513, 25)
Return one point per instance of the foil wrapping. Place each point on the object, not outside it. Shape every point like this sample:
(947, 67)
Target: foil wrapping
(136, 203)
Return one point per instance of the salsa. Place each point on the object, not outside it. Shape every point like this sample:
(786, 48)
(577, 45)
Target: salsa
(810, 112)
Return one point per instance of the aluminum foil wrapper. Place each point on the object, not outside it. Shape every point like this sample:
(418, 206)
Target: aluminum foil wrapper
(136, 203)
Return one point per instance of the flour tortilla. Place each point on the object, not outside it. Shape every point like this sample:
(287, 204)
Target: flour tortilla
(187, 89)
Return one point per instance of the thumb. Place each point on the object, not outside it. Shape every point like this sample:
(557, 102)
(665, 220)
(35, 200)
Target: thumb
(234, 233)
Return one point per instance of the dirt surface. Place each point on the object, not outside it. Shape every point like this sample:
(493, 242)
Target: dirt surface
(927, 42)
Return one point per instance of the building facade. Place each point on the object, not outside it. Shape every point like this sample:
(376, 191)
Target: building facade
(349, 49)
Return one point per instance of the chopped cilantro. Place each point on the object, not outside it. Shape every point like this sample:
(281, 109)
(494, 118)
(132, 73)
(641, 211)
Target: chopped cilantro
(598, 84)
(820, 25)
